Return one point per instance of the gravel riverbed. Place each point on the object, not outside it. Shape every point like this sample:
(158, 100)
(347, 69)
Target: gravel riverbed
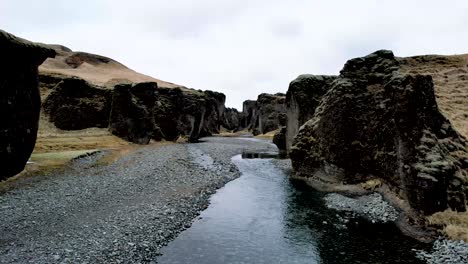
(446, 251)
(118, 213)
(372, 206)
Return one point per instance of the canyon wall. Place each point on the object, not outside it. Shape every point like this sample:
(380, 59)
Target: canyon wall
(376, 121)
(266, 114)
(232, 119)
(20, 100)
(131, 114)
(74, 104)
(303, 96)
(193, 113)
(82, 90)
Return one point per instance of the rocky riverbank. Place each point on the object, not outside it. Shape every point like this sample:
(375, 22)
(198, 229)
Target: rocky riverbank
(446, 251)
(123, 212)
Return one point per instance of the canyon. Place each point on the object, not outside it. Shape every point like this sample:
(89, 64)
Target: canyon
(392, 125)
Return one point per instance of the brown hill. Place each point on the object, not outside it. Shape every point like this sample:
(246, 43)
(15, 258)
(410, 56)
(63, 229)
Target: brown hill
(450, 75)
(96, 69)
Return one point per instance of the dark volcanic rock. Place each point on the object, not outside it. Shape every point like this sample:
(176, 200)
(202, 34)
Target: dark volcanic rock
(166, 112)
(376, 121)
(303, 96)
(20, 100)
(264, 115)
(190, 113)
(214, 105)
(76, 104)
(231, 119)
(250, 113)
(280, 140)
(271, 112)
(132, 115)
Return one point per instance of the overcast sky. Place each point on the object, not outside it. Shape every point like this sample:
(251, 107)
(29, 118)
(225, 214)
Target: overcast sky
(240, 48)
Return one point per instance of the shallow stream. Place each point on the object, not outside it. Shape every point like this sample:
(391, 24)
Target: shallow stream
(263, 217)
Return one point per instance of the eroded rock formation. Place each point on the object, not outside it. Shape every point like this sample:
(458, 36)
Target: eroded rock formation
(20, 100)
(376, 121)
(132, 116)
(264, 115)
(279, 139)
(231, 119)
(303, 97)
(214, 105)
(271, 112)
(81, 90)
(450, 77)
(75, 104)
(193, 113)
(249, 114)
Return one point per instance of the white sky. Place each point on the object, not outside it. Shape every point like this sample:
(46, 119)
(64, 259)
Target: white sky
(240, 48)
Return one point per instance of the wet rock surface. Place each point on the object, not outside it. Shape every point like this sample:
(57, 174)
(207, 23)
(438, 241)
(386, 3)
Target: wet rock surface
(20, 100)
(375, 120)
(118, 213)
(279, 139)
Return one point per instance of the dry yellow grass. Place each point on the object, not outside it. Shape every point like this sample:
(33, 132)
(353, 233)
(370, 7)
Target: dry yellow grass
(372, 184)
(268, 135)
(453, 224)
(55, 148)
(226, 133)
(100, 72)
(52, 139)
(450, 75)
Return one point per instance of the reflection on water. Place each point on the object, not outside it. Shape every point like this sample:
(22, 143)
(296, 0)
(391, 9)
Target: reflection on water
(262, 155)
(262, 217)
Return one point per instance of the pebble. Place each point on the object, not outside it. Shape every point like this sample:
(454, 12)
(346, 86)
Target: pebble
(445, 251)
(372, 206)
(100, 214)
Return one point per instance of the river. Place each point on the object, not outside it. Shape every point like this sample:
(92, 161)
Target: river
(263, 217)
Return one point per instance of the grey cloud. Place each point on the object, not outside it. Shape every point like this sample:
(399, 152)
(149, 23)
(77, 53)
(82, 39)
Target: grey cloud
(241, 48)
(285, 28)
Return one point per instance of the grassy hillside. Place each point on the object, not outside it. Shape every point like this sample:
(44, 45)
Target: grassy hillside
(450, 74)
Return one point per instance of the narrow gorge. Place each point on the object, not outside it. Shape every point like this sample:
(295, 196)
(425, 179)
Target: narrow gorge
(102, 164)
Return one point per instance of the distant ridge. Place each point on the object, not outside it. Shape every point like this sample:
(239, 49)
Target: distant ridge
(96, 69)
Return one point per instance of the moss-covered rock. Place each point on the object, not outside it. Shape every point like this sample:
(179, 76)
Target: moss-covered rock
(20, 100)
(191, 113)
(231, 119)
(376, 121)
(266, 114)
(279, 139)
(303, 96)
(75, 104)
(132, 116)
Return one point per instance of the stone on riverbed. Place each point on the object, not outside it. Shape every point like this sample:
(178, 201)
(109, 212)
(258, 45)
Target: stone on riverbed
(445, 251)
(372, 206)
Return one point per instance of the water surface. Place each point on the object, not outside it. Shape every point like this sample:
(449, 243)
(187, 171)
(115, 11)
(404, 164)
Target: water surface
(263, 217)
